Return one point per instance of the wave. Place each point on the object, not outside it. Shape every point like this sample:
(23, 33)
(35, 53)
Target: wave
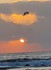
(25, 60)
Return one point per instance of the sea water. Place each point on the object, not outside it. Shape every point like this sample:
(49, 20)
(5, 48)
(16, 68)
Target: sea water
(20, 60)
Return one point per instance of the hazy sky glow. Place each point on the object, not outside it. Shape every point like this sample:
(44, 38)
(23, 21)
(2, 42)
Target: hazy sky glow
(12, 1)
(17, 46)
(29, 33)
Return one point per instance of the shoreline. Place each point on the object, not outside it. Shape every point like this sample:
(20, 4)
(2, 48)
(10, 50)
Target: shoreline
(32, 68)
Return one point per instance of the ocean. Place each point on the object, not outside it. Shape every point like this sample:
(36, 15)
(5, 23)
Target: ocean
(25, 60)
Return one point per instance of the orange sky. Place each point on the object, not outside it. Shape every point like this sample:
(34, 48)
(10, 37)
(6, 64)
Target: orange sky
(16, 46)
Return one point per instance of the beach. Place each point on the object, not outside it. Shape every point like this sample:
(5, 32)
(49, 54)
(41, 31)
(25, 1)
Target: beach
(32, 68)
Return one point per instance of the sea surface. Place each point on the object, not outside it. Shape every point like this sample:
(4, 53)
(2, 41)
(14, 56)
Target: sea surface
(24, 60)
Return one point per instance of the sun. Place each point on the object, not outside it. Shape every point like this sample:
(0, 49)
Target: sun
(22, 40)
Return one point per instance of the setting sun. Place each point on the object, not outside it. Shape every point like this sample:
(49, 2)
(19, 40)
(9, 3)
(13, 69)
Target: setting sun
(22, 40)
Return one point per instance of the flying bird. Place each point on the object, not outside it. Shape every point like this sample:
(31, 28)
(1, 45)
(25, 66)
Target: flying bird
(25, 13)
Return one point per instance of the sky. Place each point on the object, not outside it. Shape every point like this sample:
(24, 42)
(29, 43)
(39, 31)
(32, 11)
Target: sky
(12, 1)
(25, 33)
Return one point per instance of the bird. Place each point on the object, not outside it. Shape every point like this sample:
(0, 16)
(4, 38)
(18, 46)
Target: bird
(25, 13)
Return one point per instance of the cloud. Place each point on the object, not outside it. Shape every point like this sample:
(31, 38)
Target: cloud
(30, 1)
(41, 0)
(19, 18)
(12, 1)
(15, 46)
